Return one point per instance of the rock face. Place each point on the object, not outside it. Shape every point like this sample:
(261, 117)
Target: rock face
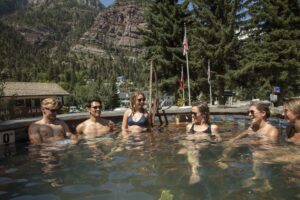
(90, 3)
(116, 27)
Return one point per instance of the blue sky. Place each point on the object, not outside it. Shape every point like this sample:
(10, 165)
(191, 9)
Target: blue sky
(107, 2)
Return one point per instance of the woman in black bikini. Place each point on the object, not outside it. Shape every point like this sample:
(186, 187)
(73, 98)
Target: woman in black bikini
(199, 135)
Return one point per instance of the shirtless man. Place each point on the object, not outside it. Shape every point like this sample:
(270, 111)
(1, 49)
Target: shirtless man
(49, 129)
(95, 126)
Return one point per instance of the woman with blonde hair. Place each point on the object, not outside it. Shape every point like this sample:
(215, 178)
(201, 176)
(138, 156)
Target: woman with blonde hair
(137, 118)
(291, 111)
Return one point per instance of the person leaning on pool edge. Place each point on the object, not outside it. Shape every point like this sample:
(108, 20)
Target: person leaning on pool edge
(49, 129)
(95, 126)
(291, 112)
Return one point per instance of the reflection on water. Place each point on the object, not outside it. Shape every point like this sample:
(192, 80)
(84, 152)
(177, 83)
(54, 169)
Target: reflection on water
(149, 167)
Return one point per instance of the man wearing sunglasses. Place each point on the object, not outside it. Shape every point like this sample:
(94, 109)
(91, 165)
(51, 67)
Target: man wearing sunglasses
(95, 126)
(49, 129)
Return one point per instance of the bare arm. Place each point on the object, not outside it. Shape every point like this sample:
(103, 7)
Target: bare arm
(214, 131)
(68, 132)
(241, 135)
(34, 134)
(124, 121)
(274, 135)
(188, 127)
(79, 130)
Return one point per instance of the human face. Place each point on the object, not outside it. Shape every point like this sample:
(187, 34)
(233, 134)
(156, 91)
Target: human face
(196, 115)
(289, 115)
(49, 112)
(95, 109)
(140, 101)
(255, 114)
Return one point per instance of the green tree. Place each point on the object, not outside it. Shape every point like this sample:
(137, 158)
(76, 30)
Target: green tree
(213, 39)
(162, 40)
(271, 52)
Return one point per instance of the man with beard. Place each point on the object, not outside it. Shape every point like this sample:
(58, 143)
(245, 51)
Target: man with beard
(95, 126)
(49, 129)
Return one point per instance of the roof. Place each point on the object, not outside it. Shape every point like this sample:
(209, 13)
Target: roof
(33, 89)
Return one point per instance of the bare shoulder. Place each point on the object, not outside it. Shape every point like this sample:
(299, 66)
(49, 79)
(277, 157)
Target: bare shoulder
(189, 126)
(273, 131)
(214, 128)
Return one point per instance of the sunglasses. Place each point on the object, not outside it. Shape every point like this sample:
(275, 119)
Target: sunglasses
(252, 112)
(97, 107)
(194, 114)
(51, 110)
(142, 99)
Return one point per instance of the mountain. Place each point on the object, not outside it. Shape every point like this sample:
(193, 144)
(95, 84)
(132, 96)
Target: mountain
(116, 27)
(79, 44)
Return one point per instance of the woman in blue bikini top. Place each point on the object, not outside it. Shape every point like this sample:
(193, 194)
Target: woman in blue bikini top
(136, 119)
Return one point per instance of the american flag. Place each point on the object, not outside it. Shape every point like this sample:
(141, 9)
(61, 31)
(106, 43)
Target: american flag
(185, 42)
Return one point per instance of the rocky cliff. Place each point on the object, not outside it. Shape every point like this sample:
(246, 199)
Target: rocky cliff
(91, 3)
(116, 27)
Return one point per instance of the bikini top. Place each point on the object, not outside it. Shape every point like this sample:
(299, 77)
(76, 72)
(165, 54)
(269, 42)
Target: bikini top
(143, 121)
(207, 131)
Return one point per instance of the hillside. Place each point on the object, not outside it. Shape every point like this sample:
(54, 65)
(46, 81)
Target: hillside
(75, 43)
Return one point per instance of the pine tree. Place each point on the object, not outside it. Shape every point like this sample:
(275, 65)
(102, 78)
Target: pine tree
(214, 39)
(271, 51)
(162, 40)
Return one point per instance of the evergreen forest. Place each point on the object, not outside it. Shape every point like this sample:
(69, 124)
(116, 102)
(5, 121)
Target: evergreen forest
(250, 45)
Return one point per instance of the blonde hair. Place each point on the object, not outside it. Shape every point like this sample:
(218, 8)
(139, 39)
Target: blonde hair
(294, 106)
(134, 98)
(49, 102)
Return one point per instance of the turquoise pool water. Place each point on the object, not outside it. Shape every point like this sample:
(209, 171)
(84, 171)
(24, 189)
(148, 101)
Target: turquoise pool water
(149, 167)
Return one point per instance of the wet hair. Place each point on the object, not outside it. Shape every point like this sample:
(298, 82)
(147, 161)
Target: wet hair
(134, 98)
(262, 107)
(294, 106)
(49, 102)
(89, 103)
(204, 109)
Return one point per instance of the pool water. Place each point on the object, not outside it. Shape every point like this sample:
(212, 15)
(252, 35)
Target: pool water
(148, 166)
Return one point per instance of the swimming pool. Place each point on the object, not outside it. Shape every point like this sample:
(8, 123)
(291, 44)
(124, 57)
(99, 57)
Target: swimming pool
(146, 167)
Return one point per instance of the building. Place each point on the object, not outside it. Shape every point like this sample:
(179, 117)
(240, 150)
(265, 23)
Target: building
(23, 99)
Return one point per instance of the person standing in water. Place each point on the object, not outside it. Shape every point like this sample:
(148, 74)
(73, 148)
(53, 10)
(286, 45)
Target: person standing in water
(49, 129)
(95, 126)
(199, 135)
(261, 137)
(137, 119)
(291, 112)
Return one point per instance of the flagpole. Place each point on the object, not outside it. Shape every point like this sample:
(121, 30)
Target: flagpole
(185, 52)
(183, 96)
(188, 77)
(209, 82)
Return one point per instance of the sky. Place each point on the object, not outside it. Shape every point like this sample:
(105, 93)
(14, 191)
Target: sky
(107, 2)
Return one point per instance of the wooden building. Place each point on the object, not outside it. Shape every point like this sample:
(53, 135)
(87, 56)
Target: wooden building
(23, 99)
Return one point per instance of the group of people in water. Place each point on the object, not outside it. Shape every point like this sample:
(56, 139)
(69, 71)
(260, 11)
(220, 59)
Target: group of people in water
(50, 129)
(199, 134)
